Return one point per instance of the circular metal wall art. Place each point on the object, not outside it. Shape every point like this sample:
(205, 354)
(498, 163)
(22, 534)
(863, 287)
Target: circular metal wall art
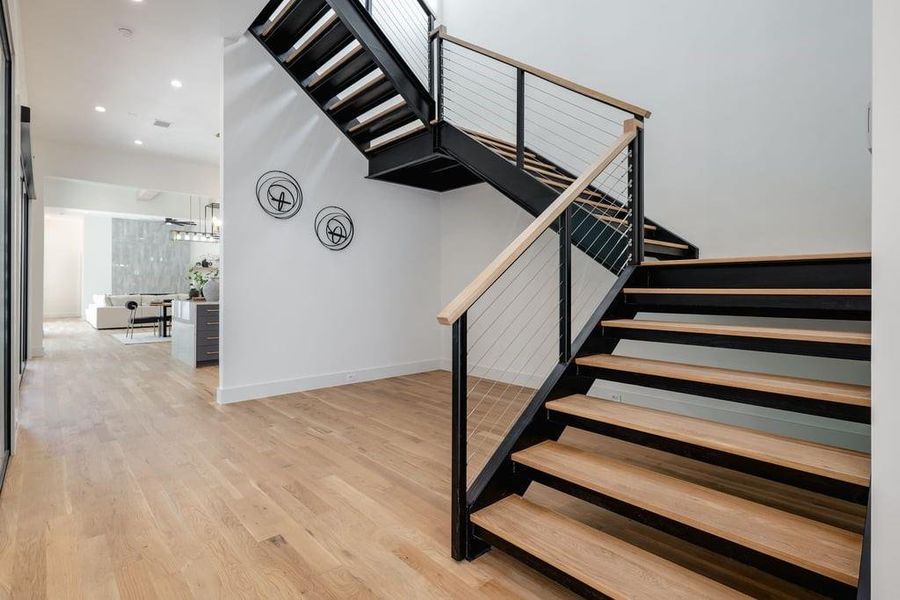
(334, 228)
(279, 194)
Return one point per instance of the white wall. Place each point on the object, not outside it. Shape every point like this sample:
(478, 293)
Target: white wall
(130, 168)
(296, 315)
(886, 324)
(63, 254)
(117, 199)
(757, 143)
(97, 270)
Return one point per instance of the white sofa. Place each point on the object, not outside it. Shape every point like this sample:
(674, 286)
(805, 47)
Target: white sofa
(110, 312)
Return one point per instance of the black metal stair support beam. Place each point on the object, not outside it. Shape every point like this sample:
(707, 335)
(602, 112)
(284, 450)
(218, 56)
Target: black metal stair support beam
(588, 234)
(369, 34)
(460, 535)
(824, 485)
(636, 184)
(834, 410)
(737, 342)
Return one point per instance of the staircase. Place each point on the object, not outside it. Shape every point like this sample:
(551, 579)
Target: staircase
(541, 325)
(388, 80)
(780, 538)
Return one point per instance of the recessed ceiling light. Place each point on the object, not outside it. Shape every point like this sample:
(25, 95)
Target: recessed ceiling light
(176, 83)
(100, 108)
(138, 143)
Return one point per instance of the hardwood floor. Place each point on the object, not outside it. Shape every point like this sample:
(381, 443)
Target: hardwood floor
(131, 482)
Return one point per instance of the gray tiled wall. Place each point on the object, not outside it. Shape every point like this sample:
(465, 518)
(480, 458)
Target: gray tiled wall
(145, 260)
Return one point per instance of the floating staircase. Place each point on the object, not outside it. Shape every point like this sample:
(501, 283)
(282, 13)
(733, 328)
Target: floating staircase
(353, 67)
(541, 325)
(786, 543)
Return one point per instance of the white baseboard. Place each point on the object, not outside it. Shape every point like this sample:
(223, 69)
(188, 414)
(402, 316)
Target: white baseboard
(267, 389)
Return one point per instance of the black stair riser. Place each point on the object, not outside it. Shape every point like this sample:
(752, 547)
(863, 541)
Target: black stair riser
(324, 48)
(364, 102)
(346, 75)
(846, 308)
(804, 348)
(779, 568)
(538, 565)
(834, 410)
(390, 122)
(293, 25)
(801, 479)
(843, 273)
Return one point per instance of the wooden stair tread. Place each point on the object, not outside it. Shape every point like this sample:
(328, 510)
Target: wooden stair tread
(818, 459)
(361, 89)
(817, 547)
(777, 333)
(666, 244)
(510, 155)
(495, 141)
(619, 221)
(597, 559)
(827, 391)
(292, 54)
(590, 194)
(761, 259)
(347, 57)
(359, 124)
(418, 129)
(751, 291)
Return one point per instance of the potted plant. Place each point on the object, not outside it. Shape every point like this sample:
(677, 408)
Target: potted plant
(204, 279)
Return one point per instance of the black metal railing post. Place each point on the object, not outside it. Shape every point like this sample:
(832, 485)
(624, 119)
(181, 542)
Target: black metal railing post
(520, 118)
(636, 181)
(459, 514)
(430, 56)
(439, 76)
(369, 6)
(565, 286)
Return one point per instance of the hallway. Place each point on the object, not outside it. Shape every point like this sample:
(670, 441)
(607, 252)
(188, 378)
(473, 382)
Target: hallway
(137, 484)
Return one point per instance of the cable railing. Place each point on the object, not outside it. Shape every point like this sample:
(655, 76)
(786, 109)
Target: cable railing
(514, 325)
(407, 24)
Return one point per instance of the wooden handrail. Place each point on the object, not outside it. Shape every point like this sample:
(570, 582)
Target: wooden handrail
(441, 32)
(472, 292)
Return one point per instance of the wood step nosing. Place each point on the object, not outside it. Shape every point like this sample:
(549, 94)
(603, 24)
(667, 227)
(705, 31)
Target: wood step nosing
(781, 452)
(770, 333)
(811, 389)
(682, 520)
(609, 566)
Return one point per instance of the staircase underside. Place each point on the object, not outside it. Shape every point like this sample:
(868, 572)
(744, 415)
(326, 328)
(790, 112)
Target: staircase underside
(445, 158)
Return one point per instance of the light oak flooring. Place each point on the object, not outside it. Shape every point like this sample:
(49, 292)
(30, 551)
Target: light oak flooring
(131, 482)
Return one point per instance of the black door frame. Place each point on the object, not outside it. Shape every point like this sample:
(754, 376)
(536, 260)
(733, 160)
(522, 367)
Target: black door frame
(27, 195)
(6, 50)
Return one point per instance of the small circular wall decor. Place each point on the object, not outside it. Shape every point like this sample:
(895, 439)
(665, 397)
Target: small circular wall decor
(279, 194)
(334, 228)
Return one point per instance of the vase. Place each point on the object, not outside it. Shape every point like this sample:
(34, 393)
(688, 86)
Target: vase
(211, 290)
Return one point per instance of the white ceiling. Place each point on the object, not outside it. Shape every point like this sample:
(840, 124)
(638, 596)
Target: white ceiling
(76, 59)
